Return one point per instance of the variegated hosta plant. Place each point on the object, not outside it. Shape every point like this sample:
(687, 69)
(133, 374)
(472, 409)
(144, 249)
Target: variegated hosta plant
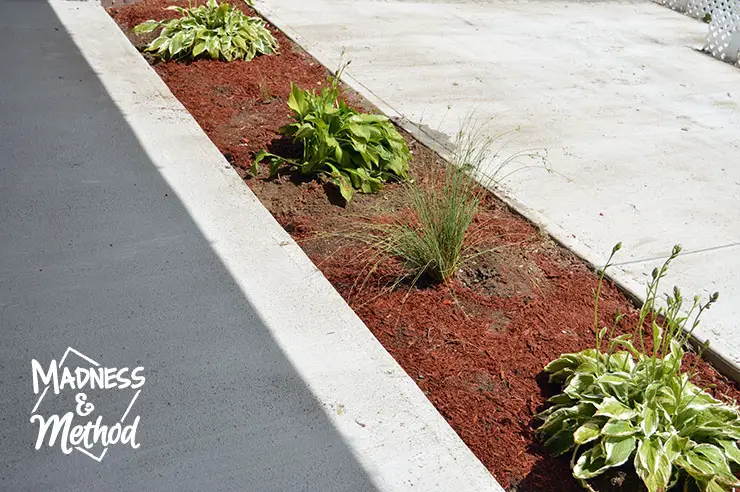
(209, 31)
(625, 404)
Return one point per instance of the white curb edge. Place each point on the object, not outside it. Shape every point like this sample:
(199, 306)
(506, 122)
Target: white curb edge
(402, 441)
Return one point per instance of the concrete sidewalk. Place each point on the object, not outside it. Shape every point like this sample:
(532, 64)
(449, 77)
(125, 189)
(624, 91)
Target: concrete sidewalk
(128, 237)
(641, 129)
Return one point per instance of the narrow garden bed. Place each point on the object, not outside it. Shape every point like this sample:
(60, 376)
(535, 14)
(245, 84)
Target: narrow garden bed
(477, 345)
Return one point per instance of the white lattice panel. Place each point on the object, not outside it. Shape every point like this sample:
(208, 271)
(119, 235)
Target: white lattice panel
(700, 8)
(679, 5)
(723, 38)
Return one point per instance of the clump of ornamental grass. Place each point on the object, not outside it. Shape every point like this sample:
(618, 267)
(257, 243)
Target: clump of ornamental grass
(625, 403)
(216, 31)
(433, 239)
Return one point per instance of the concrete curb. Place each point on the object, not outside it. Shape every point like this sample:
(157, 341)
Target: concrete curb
(394, 431)
(718, 354)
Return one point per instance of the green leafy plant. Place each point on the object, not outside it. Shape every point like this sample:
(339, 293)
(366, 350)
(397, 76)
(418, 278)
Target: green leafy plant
(623, 402)
(356, 151)
(209, 31)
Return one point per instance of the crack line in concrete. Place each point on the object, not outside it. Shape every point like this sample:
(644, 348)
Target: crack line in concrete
(683, 253)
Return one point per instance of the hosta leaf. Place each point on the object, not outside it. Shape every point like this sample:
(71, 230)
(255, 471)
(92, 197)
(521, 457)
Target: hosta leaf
(306, 131)
(665, 399)
(258, 158)
(610, 407)
(554, 423)
(615, 384)
(176, 44)
(707, 432)
(176, 8)
(157, 43)
(342, 181)
(566, 417)
(369, 118)
(561, 375)
(711, 486)
(356, 179)
(731, 450)
(618, 449)
(720, 414)
(560, 443)
(648, 421)
(589, 354)
(578, 384)
(188, 38)
(199, 48)
(711, 454)
(588, 366)
(360, 131)
(297, 100)
(651, 391)
(212, 47)
(550, 410)
(371, 185)
(225, 43)
(345, 187)
(617, 428)
(397, 165)
(147, 26)
(590, 464)
(239, 41)
(675, 446)
(653, 465)
(621, 362)
(675, 355)
(614, 378)
(705, 460)
(360, 148)
(275, 163)
(587, 432)
(164, 47)
(699, 398)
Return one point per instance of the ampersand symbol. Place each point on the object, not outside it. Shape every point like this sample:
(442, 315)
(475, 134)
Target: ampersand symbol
(84, 408)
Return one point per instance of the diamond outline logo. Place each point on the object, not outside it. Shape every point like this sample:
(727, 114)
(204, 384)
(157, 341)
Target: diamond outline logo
(96, 364)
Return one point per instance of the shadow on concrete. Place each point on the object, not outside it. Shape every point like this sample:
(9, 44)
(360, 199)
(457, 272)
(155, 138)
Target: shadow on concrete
(97, 253)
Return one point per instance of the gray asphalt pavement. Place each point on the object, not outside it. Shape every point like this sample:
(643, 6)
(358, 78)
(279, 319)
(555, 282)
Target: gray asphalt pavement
(98, 254)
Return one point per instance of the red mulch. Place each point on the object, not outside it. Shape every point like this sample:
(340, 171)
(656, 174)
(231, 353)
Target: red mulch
(238, 104)
(477, 346)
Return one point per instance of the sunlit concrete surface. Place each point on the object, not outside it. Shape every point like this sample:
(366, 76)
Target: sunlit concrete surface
(641, 129)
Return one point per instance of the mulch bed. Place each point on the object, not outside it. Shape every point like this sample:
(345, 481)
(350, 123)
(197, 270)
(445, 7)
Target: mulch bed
(476, 346)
